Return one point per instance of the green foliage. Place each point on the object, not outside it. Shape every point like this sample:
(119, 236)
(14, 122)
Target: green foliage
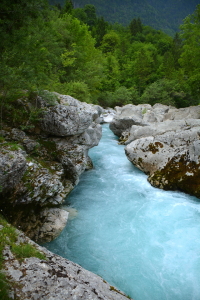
(135, 26)
(90, 12)
(110, 42)
(190, 56)
(68, 7)
(121, 96)
(11, 146)
(20, 108)
(159, 14)
(26, 250)
(168, 92)
(48, 97)
(78, 90)
(99, 30)
(74, 51)
(8, 237)
(4, 287)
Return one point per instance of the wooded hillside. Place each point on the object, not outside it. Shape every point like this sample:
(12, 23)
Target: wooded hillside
(160, 14)
(73, 51)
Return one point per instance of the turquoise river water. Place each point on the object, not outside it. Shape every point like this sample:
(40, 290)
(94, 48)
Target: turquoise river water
(142, 240)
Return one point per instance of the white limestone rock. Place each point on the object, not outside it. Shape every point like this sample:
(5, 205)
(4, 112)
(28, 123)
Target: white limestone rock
(54, 221)
(55, 278)
(71, 117)
(56, 155)
(170, 154)
(12, 167)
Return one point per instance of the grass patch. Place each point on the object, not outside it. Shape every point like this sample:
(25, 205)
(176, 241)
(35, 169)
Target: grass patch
(11, 146)
(144, 111)
(8, 237)
(4, 287)
(26, 250)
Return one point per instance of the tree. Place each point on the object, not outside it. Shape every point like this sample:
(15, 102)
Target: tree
(177, 49)
(110, 42)
(190, 56)
(100, 30)
(81, 61)
(110, 80)
(142, 65)
(135, 26)
(90, 11)
(168, 92)
(68, 7)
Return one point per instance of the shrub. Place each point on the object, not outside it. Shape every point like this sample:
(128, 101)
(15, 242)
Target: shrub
(49, 97)
(26, 250)
(168, 92)
(76, 89)
(121, 96)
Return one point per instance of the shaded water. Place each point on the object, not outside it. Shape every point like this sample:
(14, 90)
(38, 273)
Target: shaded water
(143, 240)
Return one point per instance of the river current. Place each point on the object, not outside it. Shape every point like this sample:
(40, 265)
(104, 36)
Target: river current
(143, 240)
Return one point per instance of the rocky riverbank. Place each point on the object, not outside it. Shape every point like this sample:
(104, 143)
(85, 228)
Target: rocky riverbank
(32, 272)
(163, 142)
(41, 164)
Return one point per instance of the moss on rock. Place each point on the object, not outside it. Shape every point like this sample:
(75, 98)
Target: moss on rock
(178, 174)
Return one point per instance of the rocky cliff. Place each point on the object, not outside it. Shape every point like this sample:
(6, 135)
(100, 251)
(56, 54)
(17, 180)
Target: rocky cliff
(41, 164)
(163, 142)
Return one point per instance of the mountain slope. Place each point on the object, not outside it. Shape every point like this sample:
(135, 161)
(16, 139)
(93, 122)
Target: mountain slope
(166, 15)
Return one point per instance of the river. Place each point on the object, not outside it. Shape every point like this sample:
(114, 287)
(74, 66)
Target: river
(143, 240)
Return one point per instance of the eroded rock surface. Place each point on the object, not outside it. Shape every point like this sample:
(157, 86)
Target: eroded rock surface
(38, 169)
(54, 278)
(165, 144)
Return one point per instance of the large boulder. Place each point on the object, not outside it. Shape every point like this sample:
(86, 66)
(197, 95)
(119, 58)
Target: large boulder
(70, 117)
(169, 152)
(12, 166)
(163, 142)
(191, 112)
(127, 116)
(35, 181)
(53, 221)
(158, 128)
(64, 120)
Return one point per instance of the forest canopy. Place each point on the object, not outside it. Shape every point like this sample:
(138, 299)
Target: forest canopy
(73, 51)
(159, 14)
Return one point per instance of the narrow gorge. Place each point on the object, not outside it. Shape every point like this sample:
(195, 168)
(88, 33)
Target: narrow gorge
(118, 221)
(143, 240)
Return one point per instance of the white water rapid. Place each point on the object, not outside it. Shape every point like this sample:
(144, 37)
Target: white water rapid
(142, 240)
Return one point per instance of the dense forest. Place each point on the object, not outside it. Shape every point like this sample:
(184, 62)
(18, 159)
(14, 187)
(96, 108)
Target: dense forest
(159, 14)
(73, 51)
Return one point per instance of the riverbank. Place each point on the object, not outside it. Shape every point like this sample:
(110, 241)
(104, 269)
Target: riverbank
(163, 142)
(41, 164)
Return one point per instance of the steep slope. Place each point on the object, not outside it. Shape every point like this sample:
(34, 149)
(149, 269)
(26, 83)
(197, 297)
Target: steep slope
(160, 14)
